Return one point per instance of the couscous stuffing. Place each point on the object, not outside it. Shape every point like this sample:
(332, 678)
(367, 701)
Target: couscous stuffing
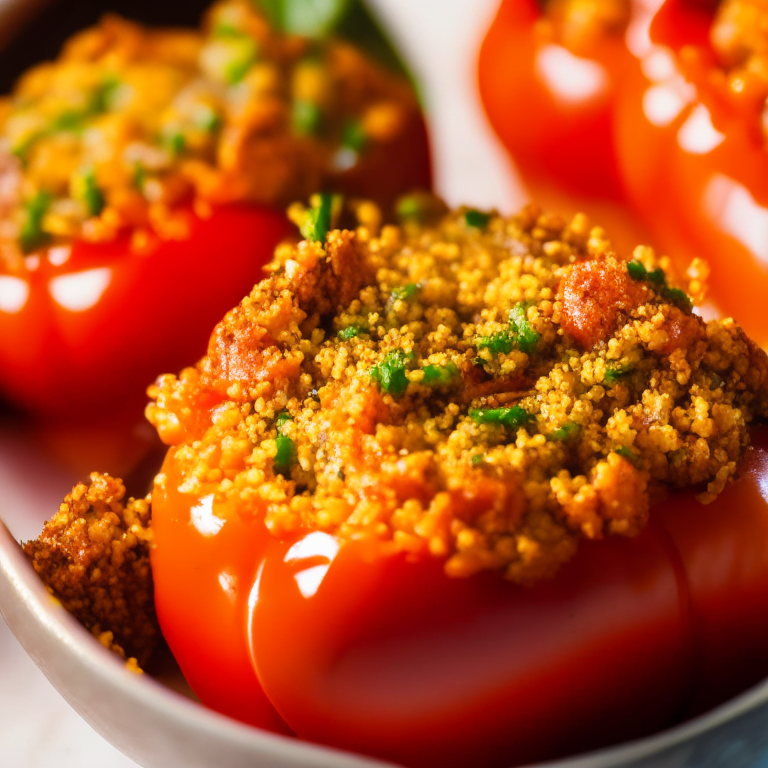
(481, 389)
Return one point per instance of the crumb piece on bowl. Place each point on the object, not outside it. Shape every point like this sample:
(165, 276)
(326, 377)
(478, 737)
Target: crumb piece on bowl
(93, 556)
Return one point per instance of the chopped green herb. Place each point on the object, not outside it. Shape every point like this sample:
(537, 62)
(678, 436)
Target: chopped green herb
(307, 118)
(341, 474)
(520, 335)
(70, 121)
(439, 375)
(282, 419)
(345, 334)
(477, 459)
(285, 454)
(678, 296)
(241, 54)
(208, 119)
(139, 176)
(627, 453)
(526, 337)
(225, 29)
(32, 235)
(318, 220)
(512, 418)
(636, 270)
(354, 136)
(567, 430)
(173, 140)
(476, 219)
(390, 373)
(501, 342)
(84, 188)
(614, 372)
(104, 97)
(410, 207)
(21, 148)
(405, 292)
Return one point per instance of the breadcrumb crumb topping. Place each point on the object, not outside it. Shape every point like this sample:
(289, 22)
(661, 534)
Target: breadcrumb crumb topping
(481, 389)
(93, 556)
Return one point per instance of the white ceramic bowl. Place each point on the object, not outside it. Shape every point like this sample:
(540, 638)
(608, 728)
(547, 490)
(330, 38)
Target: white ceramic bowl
(157, 726)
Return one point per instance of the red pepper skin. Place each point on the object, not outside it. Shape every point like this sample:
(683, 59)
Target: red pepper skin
(202, 584)
(357, 647)
(95, 331)
(551, 108)
(698, 172)
(376, 654)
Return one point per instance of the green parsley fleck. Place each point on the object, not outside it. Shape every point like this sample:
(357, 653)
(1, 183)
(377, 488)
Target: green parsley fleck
(390, 373)
(174, 141)
(318, 219)
(354, 136)
(282, 419)
(85, 189)
(208, 119)
(32, 235)
(526, 337)
(440, 375)
(627, 453)
(520, 335)
(405, 292)
(678, 296)
(104, 98)
(476, 219)
(567, 430)
(242, 52)
(477, 459)
(285, 455)
(139, 176)
(501, 342)
(614, 372)
(70, 121)
(636, 270)
(410, 207)
(512, 417)
(307, 117)
(345, 334)
(225, 29)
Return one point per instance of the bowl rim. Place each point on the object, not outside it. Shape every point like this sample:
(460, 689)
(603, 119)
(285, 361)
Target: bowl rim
(33, 614)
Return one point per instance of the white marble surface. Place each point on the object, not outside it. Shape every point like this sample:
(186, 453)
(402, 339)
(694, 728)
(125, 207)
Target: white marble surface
(440, 38)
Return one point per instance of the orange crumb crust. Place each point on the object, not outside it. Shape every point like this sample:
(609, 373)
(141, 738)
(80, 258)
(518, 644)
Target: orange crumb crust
(93, 556)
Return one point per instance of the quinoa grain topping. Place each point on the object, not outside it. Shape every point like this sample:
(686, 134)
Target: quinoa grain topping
(481, 389)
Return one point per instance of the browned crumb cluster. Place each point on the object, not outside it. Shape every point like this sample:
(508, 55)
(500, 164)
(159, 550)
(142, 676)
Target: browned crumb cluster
(481, 389)
(93, 556)
(131, 127)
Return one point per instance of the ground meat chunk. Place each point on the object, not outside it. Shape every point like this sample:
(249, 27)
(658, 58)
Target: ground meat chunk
(593, 294)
